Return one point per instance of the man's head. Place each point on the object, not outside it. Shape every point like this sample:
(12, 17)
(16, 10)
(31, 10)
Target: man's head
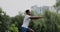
(27, 12)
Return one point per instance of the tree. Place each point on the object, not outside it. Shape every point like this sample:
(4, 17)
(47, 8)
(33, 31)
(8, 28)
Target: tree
(3, 21)
(57, 6)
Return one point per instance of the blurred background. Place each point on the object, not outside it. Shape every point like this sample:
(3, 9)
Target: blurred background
(12, 13)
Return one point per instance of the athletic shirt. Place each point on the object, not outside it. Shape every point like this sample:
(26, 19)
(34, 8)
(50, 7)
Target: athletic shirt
(26, 21)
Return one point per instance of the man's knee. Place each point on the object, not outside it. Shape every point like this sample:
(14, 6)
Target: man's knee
(31, 30)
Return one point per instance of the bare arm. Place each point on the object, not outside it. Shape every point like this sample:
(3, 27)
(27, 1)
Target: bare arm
(36, 17)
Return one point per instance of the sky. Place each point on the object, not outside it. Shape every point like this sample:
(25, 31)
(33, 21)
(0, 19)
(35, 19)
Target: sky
(12, 7)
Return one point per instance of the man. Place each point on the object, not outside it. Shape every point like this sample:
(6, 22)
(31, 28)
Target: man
(26, 21)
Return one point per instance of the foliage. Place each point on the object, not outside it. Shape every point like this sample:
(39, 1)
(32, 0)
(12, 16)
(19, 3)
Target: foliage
(13, 28)
(57, 5)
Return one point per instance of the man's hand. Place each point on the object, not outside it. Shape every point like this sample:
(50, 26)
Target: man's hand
(36, 17)
(41, 17)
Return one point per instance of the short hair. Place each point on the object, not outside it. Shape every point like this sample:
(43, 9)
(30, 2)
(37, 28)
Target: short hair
(26, 11)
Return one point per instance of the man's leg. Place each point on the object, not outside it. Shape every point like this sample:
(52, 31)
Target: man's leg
(30, 30)
(23, 29)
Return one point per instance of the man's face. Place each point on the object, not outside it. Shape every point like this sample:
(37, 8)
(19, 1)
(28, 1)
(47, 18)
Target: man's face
(29, 13)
